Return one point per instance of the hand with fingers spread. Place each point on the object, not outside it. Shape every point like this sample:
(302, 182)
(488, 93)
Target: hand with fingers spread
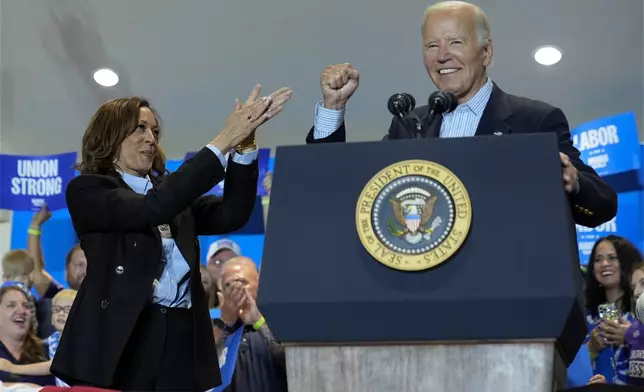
(245, 119)
(338, 83)
(277, 101)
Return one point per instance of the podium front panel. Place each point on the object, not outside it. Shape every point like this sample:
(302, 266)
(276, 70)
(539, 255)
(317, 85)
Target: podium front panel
(516, 276)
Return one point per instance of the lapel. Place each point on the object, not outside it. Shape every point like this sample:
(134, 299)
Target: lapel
(183, 242)
(155, 230)
(495, 113)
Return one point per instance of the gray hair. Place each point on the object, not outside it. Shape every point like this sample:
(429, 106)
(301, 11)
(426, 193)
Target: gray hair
(483, 30)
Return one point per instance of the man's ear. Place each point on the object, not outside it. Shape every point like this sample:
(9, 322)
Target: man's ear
(488, 53)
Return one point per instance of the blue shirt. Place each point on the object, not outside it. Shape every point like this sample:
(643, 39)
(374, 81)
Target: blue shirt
(173, 288)
(52, 342)
(580, 370)
(462, 122)
(616, 356)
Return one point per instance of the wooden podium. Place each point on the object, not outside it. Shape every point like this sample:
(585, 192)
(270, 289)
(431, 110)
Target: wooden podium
(503, 314)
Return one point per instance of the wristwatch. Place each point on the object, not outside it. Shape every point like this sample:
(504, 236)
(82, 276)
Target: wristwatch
(227, 329)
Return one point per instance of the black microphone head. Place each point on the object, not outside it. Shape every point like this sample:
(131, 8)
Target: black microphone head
(412, 101)
(401, 104)
(442, 102)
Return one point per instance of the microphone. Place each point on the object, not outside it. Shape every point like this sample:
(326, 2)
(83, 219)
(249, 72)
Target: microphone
(401, 105)
(442, 102)
(639, 309)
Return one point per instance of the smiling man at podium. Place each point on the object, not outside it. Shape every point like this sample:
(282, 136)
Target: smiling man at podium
(457, 49)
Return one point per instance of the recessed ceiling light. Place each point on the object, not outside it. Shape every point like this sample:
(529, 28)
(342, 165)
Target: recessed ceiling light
(106, 77)
(547, 55)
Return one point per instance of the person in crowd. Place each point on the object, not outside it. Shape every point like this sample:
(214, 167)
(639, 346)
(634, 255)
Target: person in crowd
(62, 304)
(219, 252)
(634, 338)
(45, 285)
(75, 261)
(260, 364)
(17, 270)
(19, 344)
(457, 50)
(608, 283)
(140, 319)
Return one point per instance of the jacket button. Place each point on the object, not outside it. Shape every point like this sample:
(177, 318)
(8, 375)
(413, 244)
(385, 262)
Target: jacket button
(134, 244)
(119, 269)
(105, 303)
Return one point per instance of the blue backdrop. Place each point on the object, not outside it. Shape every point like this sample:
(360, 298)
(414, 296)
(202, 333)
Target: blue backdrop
(611, 146)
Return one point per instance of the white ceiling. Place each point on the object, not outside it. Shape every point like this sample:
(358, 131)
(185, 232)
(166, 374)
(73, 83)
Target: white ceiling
(192, 58)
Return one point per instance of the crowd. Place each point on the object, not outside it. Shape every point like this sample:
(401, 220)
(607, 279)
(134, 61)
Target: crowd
(34, 309)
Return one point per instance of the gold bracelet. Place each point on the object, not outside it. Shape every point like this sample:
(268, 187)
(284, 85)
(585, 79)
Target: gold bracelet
(242, 148)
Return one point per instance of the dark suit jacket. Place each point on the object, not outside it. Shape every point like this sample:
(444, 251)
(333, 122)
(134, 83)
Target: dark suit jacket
(504, 114)
(117, 229)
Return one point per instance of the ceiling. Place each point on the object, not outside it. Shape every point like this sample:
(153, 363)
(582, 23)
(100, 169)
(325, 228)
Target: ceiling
(192, 58)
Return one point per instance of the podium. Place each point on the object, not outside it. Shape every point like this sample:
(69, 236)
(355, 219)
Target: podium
(502, 313)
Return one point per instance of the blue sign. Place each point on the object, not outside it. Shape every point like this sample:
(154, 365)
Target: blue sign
(29, 181)
(626, 224)
(263, 160)
(229, 358)
(641, 172)
(609, 145)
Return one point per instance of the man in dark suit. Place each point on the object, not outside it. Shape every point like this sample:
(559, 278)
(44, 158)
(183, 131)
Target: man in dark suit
(457, 49)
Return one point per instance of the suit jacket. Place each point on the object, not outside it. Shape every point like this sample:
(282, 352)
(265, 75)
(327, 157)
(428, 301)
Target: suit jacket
(118, 231)
(594, 204)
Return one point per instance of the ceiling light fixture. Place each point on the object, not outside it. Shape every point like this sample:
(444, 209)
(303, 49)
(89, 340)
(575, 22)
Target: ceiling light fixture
(106, 77)
(547, 55)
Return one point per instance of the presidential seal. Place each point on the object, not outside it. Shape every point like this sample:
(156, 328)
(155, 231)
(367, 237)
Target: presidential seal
(413, 215)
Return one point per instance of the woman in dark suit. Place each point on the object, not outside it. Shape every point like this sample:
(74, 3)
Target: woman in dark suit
(140, 320)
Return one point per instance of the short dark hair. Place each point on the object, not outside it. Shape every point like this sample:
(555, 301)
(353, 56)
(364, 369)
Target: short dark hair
(112, 123)
(68, 258)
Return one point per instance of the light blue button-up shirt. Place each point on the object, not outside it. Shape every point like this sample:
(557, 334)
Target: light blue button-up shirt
(173, 288)
(462, 122)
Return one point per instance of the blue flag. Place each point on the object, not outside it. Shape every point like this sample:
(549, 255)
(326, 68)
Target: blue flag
(229, 358)
(610, 145)
(28, 182)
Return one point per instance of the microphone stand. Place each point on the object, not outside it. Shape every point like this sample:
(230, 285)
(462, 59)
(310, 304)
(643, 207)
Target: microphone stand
(409, 126)
(432, 118)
